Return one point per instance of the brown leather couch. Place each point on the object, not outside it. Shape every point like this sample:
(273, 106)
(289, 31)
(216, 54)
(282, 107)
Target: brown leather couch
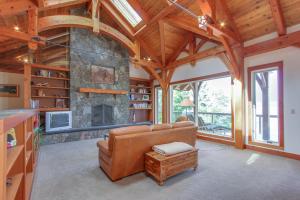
(123, 153)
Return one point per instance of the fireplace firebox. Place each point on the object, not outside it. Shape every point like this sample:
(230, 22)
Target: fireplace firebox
(102, 115)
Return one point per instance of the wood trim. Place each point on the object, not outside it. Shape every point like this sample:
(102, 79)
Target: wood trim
(102, 91)
(265, 145)
(215, 139)
(273, 44)
(278, 16)
(55, 68)
(273, 152)
(279, 65)
(201, 78)
(139, 79)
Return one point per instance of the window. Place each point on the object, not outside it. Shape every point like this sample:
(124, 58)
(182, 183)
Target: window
(214, 106)
(158, 105)
(266, 97)
(127, 11)
(207, 102)
(182, 103)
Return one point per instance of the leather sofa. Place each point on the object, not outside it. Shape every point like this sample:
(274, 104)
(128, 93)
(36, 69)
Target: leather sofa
(123, 153)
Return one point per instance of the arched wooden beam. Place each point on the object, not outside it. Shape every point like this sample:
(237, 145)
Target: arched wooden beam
(57, 21)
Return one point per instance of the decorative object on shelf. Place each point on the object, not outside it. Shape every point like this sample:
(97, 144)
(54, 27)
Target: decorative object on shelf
(41, 93)
(103, 75)
(62, 75)
(43, 73)
(9, 90)
(11, 138)
(146, 97)
(132, 90)
(60, 103)
(34, 103)
(42, 84)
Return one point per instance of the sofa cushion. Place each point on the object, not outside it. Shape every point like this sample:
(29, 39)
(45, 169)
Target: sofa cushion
(158, 127)
(125, 131)
(183, 124)
(103, 146)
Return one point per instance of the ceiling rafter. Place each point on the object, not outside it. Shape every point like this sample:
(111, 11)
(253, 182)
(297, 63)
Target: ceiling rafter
(162, 42)
(118, 18)
(180, 49)
(201, 55)
(135, 4)
(200, 44)
(149, 51)
(278, 16)
(163, 13)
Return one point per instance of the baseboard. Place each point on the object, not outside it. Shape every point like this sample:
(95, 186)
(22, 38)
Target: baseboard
(215, 139)
(273, 152)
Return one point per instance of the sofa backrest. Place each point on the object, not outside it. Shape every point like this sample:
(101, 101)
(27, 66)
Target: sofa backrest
(129, 149)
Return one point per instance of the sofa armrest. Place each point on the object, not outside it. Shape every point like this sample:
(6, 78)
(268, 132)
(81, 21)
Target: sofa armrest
(103, 147)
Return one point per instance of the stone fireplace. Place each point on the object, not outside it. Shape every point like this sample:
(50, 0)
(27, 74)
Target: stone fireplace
(102, 115)
(91, 109)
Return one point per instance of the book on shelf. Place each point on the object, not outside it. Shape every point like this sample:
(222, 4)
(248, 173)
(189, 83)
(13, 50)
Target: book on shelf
(11, 138)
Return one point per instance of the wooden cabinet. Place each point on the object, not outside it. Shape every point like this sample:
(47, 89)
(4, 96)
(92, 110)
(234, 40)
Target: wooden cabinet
(140, 100)
(162, 167)
(18, 163)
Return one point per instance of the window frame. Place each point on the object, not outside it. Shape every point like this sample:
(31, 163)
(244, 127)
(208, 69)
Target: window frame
(206, 78)
(155, 102)
(250, 71)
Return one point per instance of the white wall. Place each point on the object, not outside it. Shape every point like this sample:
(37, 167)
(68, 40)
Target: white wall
(12, 102)
(137, 72)
(291, 75)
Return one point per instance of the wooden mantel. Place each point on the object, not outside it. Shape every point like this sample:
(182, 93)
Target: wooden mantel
(102, 91)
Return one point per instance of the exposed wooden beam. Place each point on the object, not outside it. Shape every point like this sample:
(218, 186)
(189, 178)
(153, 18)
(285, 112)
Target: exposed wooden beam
(56, 21)
(180, 49)
(149, 51)
(51, 4)
(189, 25)
(146, 63)
(162, 42)
(163, 13)
(19, 35)
(200, 44)
(278, 16)
(273, 44)
(11, 46)
(204, 54)
(192, 47)
(96, 16)
(118, 18)
(32, 27)
(206, 7)
(14, 7)
(234, 67)
(138, 8)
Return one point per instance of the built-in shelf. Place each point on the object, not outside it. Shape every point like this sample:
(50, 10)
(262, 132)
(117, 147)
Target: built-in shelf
(137, 86)
(28, 155)
(52, 109)
(102, 91)
(12, 190)
(50, 88)
(54, 78)
(12, 155)
(29, 181)
(137, 101)
(140, 108)
(140, 93)
(28, 136)
(49, 97)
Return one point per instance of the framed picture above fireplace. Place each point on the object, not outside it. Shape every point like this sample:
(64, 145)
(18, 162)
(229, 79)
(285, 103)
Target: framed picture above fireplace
(105, 75)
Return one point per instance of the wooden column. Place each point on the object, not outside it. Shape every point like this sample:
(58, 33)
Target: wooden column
(27, 85)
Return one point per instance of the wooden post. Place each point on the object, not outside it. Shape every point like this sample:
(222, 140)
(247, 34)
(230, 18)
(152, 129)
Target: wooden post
(27, 85)
(3, 157)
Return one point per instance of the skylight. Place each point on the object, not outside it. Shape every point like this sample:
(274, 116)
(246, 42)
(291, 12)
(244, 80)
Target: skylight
(129, 13)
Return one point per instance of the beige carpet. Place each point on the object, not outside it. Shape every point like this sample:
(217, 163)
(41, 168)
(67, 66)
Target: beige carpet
(70, 171)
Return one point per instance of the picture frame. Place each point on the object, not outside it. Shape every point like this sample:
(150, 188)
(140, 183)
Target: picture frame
(60, 103)
(104, 75)
(146, 97)
(9, 90)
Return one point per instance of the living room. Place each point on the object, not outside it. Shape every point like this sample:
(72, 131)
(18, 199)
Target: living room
(141, 99)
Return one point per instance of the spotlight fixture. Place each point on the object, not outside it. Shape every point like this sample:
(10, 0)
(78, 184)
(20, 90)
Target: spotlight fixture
(25, 60)
(202, 21)
(222, 24)
(16, 28)
(149, 59)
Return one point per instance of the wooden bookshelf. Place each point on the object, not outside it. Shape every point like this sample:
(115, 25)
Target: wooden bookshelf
(17, 163)
(140, 109)
(48, 86)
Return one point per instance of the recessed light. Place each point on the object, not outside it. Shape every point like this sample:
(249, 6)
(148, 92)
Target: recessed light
(222, 24)
(16, 28)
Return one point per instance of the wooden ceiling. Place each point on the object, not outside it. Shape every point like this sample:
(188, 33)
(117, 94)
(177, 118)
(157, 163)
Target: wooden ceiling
(164, 32)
